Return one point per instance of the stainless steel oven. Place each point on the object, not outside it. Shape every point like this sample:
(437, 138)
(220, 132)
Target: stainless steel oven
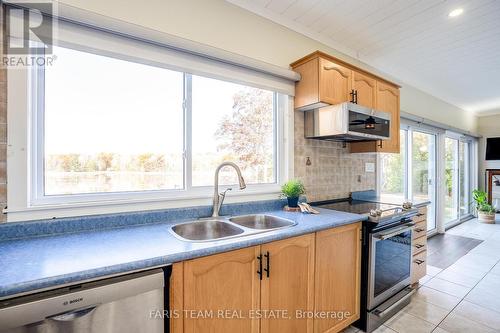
(389, 266)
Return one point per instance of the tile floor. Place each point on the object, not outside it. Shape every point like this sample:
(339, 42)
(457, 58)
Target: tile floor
(463, 298)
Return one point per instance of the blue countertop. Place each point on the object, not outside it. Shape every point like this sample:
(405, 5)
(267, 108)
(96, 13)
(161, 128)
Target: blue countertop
(53, 259)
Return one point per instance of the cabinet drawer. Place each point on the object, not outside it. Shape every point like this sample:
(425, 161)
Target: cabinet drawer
(423, 210)
(419, 217)
(419, 266)
(420, 229)
(419, 245)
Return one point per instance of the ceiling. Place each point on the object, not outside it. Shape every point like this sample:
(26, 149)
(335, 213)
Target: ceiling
(456, 59)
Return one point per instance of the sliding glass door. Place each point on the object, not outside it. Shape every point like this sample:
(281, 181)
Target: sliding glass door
(411, 174)
(458, 179)
(423, 170)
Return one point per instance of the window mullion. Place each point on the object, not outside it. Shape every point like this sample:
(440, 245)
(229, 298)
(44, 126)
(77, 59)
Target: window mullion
(188, 131)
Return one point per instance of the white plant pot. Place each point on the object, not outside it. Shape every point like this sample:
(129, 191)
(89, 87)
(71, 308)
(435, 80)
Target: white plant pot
(485, 217)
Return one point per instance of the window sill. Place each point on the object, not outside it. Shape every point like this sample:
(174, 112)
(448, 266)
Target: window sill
(49, 210)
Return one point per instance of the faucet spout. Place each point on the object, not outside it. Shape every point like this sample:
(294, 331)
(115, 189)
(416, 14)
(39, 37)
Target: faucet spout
(219, 197)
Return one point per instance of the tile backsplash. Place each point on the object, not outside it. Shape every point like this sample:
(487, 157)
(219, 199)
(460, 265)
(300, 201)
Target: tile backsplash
(333, 172)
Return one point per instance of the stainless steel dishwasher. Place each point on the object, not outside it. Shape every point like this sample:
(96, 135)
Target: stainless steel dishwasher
(129, 303)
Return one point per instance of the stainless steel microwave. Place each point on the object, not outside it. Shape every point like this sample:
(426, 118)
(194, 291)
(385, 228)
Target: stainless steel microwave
(347, 122)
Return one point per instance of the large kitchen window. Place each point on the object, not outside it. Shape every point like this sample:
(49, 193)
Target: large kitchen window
(122, 118)
(104, 125)
(110, 125)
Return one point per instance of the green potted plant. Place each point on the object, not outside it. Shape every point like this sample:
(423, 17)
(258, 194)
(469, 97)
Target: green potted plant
(485, 211)
(292, 190)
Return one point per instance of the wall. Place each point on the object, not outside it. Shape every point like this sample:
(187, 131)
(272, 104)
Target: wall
(3, 130)
(333, 172)
(488, 126)
(223, 25)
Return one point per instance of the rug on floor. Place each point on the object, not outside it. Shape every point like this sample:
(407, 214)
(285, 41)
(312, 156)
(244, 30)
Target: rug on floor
(443, 250)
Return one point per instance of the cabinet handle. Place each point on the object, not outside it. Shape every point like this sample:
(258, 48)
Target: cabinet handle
(419, 246)
(419, 262)
(355, 96)
(420, 214)
(380, 143)
(419, 230)
(352, 96)
(259, 257)
(268, 263)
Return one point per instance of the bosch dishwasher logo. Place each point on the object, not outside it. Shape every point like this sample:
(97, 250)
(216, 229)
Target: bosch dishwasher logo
(73, 301)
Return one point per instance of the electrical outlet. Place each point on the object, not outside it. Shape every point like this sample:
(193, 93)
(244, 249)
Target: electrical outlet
(369, 167)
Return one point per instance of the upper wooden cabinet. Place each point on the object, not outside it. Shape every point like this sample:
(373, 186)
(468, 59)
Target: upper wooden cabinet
(322, 83)
(365, 89)
(387, 99)
(326, 80)
(334, 82)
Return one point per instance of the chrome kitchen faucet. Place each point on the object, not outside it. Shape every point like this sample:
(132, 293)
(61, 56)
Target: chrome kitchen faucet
(219, 197)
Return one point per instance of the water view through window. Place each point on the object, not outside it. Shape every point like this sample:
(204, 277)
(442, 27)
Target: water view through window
(113, 126)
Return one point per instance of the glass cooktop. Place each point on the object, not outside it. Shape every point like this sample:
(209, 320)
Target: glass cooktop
(359, 207)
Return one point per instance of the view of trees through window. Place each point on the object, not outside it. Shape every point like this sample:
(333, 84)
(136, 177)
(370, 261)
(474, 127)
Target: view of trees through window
(112, 125)
(239, 128)
(394, 172)
(421, 165)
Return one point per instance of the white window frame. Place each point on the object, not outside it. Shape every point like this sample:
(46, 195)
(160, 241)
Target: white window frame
(25, 167)
(440, 134)
(471, 146)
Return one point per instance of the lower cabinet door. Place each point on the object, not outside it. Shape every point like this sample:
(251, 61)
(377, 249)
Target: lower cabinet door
(220, 292)
(337, 278)
(287, 294)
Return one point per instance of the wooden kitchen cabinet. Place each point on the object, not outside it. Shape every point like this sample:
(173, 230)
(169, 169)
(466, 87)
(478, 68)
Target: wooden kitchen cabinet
(323, 83)
(226, 281)
(337, 276)
(365, 88)
(387, 99)
(419, 243)
(312, 273)
(290, 285)
(326, 80)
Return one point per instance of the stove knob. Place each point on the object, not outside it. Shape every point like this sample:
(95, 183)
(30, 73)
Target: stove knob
(407, 205)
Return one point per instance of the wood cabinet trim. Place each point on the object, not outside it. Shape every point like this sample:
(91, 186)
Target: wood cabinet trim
(360, 77)
(319, 54)
(336, 68)
(176, 293)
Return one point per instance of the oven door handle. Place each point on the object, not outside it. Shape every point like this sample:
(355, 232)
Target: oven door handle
(390, 308)
(392, 233)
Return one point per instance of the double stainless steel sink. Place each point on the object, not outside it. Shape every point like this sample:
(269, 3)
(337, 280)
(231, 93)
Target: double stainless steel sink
(219, 228)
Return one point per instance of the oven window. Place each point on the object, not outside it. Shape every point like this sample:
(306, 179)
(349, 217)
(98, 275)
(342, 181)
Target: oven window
(362, 123)
(392, 262)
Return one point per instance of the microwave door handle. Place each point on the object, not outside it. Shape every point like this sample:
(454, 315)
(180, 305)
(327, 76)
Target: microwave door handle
(388, 235)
